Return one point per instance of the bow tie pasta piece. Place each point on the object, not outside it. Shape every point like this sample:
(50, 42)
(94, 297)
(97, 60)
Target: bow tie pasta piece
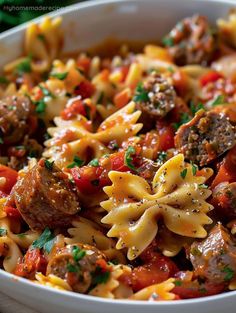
(177, 197)
(156, 292)
(70, 138)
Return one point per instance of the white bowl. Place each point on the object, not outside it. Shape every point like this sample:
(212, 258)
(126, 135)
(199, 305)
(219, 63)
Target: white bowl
(85, 25)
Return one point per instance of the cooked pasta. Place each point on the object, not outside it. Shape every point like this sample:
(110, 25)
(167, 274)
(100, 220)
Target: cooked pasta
(117, 170)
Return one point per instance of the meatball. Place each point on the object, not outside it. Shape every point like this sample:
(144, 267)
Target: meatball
(78, 265)
(215, 257)
(155, 98)
(224, 200)
(14, 116)
(205, 137)
(191, 41)
(45, 197)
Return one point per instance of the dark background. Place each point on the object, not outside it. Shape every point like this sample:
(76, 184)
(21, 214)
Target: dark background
(16, 12)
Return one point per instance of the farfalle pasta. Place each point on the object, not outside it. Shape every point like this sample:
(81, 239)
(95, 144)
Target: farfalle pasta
(117, 166)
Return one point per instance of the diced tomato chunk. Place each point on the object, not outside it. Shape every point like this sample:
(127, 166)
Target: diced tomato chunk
(209, 77)
(33, 261)
(85, 89)
(12, 212)
(11, 177)
(166, 136)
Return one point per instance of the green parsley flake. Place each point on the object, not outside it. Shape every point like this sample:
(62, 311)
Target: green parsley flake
(60, 76)
(41, 37)
(195, 108)
(24, 66)
(194, 169)
(128, 158)
(78, 253)
(76, 162)
(46, 92)
(3, 232)
(40, 106)
(184, 173)
(94, 163)
(44, 241)
(178, 283)
(218, 100)
(184, 118)
(49, 165)
(72, 268)
(100, 277)
(168, 41)
(141, 95)
(161, 157)
(229, 273)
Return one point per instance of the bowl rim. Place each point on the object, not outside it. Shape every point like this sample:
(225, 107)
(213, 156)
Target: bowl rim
(73, 295)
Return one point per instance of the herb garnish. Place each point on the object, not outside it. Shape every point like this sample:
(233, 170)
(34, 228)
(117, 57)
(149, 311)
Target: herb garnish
(78, 253)
(3, 232)
(161, 157)
(128, 158)
(72, 268)
(194, 168)
(24, 66)
(45, 241)
(168, 41)
(41, 37)
(203, 186)
(94, 163)
(60, 76)
(76, 162)
(229, 273)
(218, 100)
(40, 106)
(141, 95)
(178, 283)
(48, 164)
(46, 92)
(195, 108)
(183, 173)
(184, 118)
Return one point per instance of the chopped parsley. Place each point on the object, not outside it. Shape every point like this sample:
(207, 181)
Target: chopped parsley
(24, 66)
(94, 163)
(161, 157)
(184, 118)
(141, 95)
(229, 273)
(194, 169)
(60, 76)
(3, 80)
(45, 240)
(72, 268)
(49, 165)
(168, 41)
(40, 106)
(218, 100)
(46, 92)
(170, 69)
(100, 277)
(128, 158)
(202, 290)
(3, 232)
(76, 162)
(178, 283)
(78, 253)
(195, 108)
(183, 173)
(22, 235)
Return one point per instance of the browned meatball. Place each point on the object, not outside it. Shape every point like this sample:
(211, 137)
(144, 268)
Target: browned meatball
(45, 197)
(205, 137)
(155, 98)
(224, 200)
(78, 265)
(191, 41)
(14, 114)
(215, 257)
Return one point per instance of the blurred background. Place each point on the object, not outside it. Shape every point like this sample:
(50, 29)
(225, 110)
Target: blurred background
(16, 12)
